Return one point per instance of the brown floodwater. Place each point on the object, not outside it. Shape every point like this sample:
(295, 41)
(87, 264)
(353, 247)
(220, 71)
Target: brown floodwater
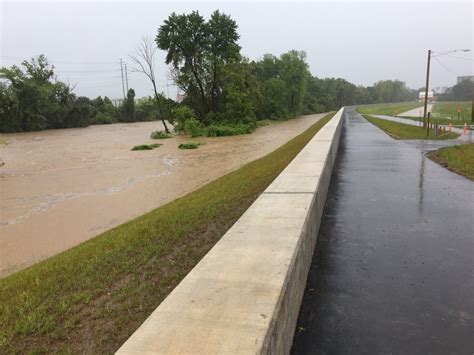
(59, 188)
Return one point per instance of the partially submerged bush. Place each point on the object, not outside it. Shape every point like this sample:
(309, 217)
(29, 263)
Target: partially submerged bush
(220, 130)
(195, 128)
(160, 135)
(191, 145)
(180, 116)
(102, 118)
(147, 146)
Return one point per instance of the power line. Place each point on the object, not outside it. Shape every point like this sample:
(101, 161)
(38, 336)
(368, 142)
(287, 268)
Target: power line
(445, 67)
(453, 56)
(53, 60)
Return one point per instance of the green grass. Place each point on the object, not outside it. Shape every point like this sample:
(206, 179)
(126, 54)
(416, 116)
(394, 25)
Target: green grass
(91, 298)
(448, 111)
(160, 135)
(459, 159)
(391, 109)
(190, 145)
(147, 146)
(437, 120)
(405, 131)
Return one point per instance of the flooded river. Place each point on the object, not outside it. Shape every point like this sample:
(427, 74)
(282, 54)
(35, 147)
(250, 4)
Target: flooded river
(59, 188)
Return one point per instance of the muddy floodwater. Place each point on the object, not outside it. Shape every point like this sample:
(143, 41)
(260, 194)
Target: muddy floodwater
(59, 188)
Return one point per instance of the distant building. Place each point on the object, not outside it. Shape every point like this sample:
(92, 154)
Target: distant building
(440, 89)
(466, 77)
(421, 95)
(180, 97)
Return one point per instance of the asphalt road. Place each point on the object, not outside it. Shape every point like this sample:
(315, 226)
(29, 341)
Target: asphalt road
(393, 271)
(416, 112)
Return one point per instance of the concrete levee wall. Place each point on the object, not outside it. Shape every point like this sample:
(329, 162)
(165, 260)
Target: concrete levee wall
(244, 295)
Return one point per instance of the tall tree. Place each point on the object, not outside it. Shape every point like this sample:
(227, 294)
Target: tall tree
(196, 50)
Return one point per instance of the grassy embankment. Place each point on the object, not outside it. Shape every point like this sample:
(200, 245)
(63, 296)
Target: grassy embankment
(392, 109)
(459, 159)
(404, 131)
(445, 113)
(448, 111)
(92, 297)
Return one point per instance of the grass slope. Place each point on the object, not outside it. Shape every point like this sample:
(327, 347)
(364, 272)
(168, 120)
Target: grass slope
(405, 131)
(392, 109)
(91, 298)
(459, 159)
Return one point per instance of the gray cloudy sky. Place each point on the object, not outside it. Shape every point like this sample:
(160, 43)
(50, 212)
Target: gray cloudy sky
(362, 42)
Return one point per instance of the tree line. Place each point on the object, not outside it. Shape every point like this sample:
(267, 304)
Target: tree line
(225, 93)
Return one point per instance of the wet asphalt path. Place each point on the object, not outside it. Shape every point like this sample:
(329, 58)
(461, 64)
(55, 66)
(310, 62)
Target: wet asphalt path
(393, 271)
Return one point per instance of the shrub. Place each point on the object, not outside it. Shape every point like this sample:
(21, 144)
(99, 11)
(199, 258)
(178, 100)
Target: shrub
(102, 118)
(160, 135)
(147, 146)
(220, 130)
(195, 128)
(180, 116)
(191, 145)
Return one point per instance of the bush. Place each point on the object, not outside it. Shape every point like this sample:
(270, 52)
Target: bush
(192, 145)
(180, 116)
(102, 118)
(160, 135)
(195, 128)
(147, 146)
(220, 130)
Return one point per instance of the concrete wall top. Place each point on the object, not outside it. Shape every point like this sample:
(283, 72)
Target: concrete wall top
(229, 302)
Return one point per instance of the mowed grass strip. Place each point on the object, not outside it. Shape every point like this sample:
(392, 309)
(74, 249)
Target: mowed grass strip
(459, 158)
(405, 131)
(391, 109)
(91, 298)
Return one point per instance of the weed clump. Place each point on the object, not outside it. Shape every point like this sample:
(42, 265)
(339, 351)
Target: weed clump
(146, 146)
(191, 145)
(160, 135)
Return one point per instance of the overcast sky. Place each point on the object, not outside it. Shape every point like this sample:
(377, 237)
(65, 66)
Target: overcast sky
(362, 42)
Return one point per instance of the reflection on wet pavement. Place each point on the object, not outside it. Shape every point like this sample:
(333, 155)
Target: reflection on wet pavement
(394, 263)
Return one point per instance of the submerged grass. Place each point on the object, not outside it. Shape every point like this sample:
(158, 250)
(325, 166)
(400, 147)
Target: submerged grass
(91, 298)
(459, 159)
(405, 131)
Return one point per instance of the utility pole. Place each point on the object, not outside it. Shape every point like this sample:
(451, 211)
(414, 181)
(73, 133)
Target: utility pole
(126, 76)
(123, 85)
(472, 110)
(426, 87)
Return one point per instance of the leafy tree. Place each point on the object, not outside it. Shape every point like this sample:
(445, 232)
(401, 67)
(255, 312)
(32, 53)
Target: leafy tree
(240, 93)
(463, 91)
(80, 114)
(128, 107)
(197, 50)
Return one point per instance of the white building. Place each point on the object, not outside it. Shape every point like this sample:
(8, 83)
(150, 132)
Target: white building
(421, 95)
